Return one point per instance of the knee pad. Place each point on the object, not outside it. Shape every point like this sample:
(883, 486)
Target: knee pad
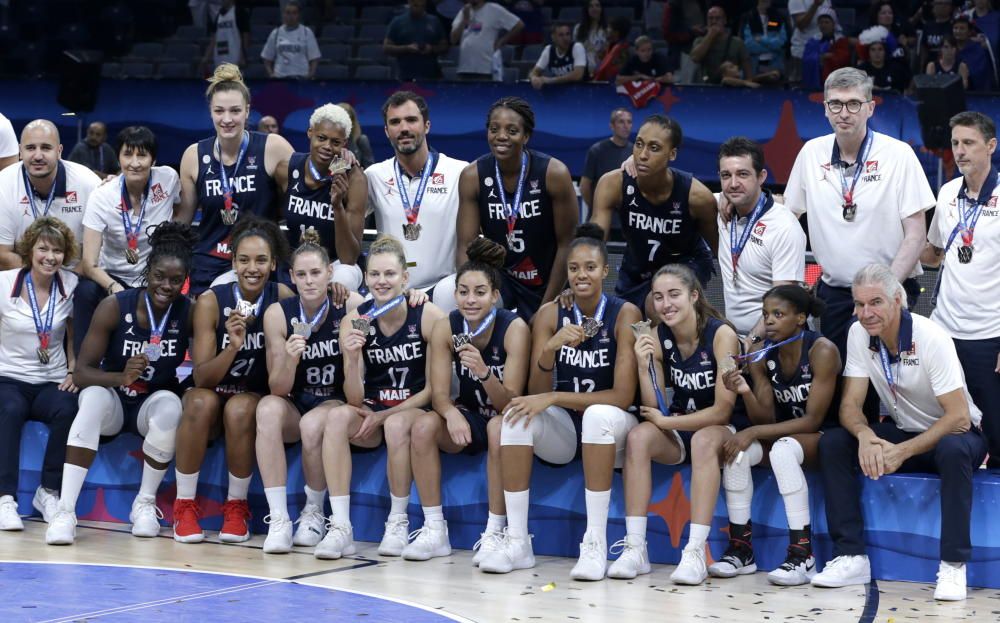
(737, 476)
(348, 275)
(517, 434)
(96, 416)
(600, 423)
(786, 462)
(158, 420)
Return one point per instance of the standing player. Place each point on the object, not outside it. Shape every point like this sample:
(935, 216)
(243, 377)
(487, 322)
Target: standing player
(414, 194)
(229, 371)
(488, 349)
(128, 369)
(522, 199)
(585, 353)
(666, 215)
(227, 176)
(306, 377)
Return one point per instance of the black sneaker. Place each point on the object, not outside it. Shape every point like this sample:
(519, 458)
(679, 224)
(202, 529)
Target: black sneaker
(799, 568)
(737, 560)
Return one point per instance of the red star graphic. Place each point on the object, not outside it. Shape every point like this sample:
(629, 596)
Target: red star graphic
(668, 99)
(674, 509)
(784, 146)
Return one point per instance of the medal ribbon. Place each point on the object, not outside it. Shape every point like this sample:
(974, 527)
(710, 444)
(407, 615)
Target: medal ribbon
(156, 329)
(378, 311)
(967, 218)
(413, 212)
(227, 187)
(512, 210)
(736, 247)
(239, 297)
(883, 354)
(322, 179)
(482, 326)
(858, 168)
(132, 233)
(44, 330)
(598, 315)
(30, 191)
(315, 319)
(758, 355)
(661, 402)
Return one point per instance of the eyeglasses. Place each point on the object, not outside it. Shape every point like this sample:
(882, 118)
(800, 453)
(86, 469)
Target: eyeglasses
(853, 106)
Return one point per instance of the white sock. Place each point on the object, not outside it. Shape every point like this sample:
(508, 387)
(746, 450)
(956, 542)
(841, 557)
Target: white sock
(315, 497)
(517, 513)
(151, 479)
(72, 483)
(340, 508)
(277, 501)
(187, 485)
(597, 512)
(496, 523)
(698, 535)
(433, 513)
(797, 508)
(239, 487)
(398, 505)
(636, 527)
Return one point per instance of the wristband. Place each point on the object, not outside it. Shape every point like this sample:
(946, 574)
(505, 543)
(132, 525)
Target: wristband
(543, 368)
(486, 376)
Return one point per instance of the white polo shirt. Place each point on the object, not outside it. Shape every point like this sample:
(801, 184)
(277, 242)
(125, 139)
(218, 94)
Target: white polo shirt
(892, 187)
(73, 185)
(104, 215)
(430, 257)
(928, 368)
(8, 140)
(775, 251)
(18, 336)
(475, 54)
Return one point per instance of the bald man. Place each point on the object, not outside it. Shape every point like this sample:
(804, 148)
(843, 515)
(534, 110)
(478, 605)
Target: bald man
(41, 184)
(94, 152)
(268, 125)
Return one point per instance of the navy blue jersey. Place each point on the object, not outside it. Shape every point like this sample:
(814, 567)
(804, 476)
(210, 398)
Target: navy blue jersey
(471, 394)
(792, 393)
(693, 379)
(129, 339)
(306, 207)
(248, 373)
(321, 369)
(395, 365)
(589, 367)
(657, 234)
(530, 260)
(253, 193)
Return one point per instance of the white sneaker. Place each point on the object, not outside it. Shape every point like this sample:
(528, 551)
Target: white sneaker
(396, 537)
(798, 569)
(844, 571)
(339, 541)
(279, 534)
(46, 502)
(950, 582)
(634, 559)
(62, 528)
(513, 553)
(145, 517)
(9, 518)
(691, 569)
(488, 542)
(430, 541)
(593, 562)
(312, 527)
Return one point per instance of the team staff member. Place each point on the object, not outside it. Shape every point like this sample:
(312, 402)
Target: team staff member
(965, 236)
(128, 369)
(320, 197)
(43, 184)
(523, 199)
(667, 216)
(116, 223)
(36, 361)
(414, 195)
(865, 194)
(227, 176)
(933, 426)
(607, 154)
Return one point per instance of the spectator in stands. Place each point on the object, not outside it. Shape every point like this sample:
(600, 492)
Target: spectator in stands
(358, 144)
(646, 64)
(898, 35)
(933, 426)
(416, 39)
(94, 152)
(765, 33)
(8, 143)
(948, 62)
(828, 51)
(987, 19)
(530, 14)
(618, 50)
(562, 61)
(291, 50)
(804, 14)
(888, 74)
(477, 30)
(607, 154)
(683, 21)
(268, 125)
(592, 32)
(974, 55)
(717, 48)
(935, 27)
(230, 37)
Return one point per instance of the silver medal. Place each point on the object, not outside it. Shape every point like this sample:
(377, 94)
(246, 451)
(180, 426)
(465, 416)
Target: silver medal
(362, 323)
(153, 351)
(131, 255)
(460, 340)
(591, 326)
(641, 328)
(43, 355)
(339, 165)
(229, 216)
(411, 231)
(301, 328)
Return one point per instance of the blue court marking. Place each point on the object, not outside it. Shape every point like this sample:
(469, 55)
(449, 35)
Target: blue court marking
(64, 592)
(871, 603)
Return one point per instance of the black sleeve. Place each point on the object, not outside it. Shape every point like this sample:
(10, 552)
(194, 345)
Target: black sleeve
(629, 68)
(243, 19)
(590, 163)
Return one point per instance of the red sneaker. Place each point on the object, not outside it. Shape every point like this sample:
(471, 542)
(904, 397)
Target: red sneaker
(186, 528)
(235, 522)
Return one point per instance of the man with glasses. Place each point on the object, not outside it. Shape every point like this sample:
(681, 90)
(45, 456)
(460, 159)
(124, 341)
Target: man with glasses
(865, 194)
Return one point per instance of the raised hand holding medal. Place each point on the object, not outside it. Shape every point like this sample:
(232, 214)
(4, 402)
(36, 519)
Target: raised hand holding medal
(468, 335)
(230, 211)
(411, 229)
(306, 325)
(590, 325)
(244, 307)
(132, 232)
(364, 322)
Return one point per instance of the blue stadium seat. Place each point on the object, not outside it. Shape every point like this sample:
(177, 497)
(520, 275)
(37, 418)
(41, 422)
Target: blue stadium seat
(270, 15)
(337, 53)
(332, 72)
(149, 50)
(137, 70)
(373, 72)
(184, 52)
(174, 70)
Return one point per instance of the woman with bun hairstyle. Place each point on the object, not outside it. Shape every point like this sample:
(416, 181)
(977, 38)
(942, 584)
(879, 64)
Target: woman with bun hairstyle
(795, 376)
(128, 371)
(306, 378)
(227, 176)
(586, 351)
(229, 374)
(488, 348)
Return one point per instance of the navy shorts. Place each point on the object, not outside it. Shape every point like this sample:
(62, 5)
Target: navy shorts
(306, 402)
(520, 298)
(477, 423)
